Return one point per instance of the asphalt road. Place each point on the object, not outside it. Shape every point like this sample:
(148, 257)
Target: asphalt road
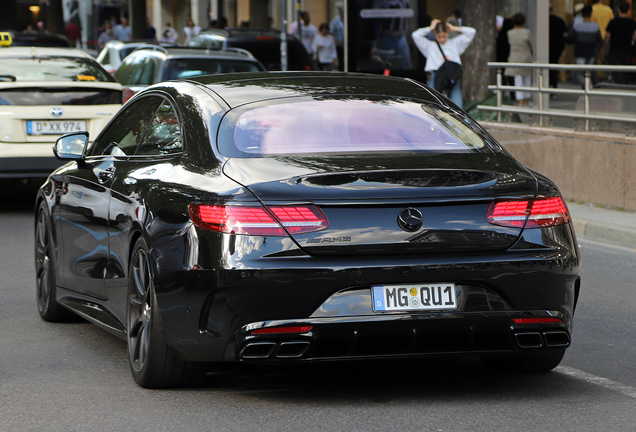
(75, 377)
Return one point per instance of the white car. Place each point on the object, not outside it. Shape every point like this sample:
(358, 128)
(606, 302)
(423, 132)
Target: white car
(44, 93)
(114, 53)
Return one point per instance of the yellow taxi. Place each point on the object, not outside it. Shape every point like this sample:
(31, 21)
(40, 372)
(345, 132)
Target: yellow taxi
(44, 93)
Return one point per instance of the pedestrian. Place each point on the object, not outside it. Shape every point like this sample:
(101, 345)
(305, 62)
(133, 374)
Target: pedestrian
(336, 28)
(190, 30)
(601, 15)
(503, 50)
(558, 32)
(453, 49)
(106, 34)
(308, 31)
(123, 32)
(73, 33)
(586, 36)
(520, 39)
(457, 15)
(169, 34)
(620, 35)
(324, 48)
(151, 32)
(577, 12)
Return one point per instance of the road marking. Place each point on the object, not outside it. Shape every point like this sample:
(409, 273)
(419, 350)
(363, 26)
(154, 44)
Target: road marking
(600, 381)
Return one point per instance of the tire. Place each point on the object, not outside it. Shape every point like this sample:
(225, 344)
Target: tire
(152, 362)
(48, 307)
(539, 362)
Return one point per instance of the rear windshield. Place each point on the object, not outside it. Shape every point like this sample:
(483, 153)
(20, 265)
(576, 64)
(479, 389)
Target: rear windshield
(39, 42)
(59, 96)
(187, 68)
(53, 69)
(123, 53)
(349, 126)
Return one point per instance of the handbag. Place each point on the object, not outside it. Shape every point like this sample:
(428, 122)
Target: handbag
(448, 74)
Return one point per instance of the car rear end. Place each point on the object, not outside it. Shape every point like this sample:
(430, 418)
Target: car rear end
(42, 102)
(354, 238)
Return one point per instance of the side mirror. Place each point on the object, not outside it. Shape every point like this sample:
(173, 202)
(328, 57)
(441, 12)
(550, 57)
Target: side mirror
(71, 146)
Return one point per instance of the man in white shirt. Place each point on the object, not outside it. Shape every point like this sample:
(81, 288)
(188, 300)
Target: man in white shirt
(123, 31)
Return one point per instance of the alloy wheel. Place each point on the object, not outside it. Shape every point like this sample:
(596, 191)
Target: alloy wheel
(43, 262)
(140, 311)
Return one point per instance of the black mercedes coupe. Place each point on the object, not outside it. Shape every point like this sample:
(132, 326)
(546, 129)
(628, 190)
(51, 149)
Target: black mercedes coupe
(294, 217)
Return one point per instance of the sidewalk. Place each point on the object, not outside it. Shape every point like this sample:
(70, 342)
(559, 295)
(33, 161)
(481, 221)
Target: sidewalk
(603, 225)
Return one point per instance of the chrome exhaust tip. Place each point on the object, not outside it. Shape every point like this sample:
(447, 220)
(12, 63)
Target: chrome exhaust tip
(529, 339)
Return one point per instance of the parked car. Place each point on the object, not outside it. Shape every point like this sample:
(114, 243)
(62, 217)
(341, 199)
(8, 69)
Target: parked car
(151, 64)
(264, 44)
(114, 52)
(294, 217)
(44, 93)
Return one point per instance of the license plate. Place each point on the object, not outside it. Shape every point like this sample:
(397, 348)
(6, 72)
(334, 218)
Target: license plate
(54, 127)
(432, 296)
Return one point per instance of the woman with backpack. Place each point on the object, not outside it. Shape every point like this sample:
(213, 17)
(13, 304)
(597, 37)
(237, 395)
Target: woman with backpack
(443, 49)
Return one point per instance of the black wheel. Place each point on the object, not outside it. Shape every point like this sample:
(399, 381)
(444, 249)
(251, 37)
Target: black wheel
(48, 307)
(152, 362)
(526, 363)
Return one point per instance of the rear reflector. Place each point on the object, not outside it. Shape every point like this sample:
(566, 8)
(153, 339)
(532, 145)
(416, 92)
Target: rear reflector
(537, 213)
(252, 220)
(275, 330)
(536, 320)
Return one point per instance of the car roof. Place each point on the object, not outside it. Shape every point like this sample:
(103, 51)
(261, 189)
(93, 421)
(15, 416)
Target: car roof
(239, 89)
(189, 52)
(30, 51)
(136, 42)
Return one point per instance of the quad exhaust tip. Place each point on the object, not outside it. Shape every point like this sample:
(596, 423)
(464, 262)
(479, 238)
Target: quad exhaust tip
(550, 339)
(284, 350)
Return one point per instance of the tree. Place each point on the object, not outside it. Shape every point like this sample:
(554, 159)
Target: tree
(479, 14)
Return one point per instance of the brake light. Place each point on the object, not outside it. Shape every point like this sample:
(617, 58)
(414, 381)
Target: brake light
(264, 37)
(252, 220)
(542, 212)
(275, 330)
(536, 320)
(127, 94)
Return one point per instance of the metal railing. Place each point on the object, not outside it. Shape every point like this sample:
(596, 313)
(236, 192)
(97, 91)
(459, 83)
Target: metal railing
(542, 109)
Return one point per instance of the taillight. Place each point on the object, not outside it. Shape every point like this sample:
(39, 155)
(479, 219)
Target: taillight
(541, 212)
(127, 94)
(280, 330)
(253, 220)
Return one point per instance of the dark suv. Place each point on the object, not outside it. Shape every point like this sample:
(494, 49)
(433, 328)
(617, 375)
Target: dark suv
(263, 43)
(153, 63)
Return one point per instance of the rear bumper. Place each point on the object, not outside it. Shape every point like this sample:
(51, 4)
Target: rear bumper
(210, 316)
(27, 160)
(402, 335)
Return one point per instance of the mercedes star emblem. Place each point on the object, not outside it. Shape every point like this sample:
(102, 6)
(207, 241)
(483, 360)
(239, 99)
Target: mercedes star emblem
(410, 219)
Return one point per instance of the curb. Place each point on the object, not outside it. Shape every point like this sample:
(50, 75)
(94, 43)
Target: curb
(605, 233)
